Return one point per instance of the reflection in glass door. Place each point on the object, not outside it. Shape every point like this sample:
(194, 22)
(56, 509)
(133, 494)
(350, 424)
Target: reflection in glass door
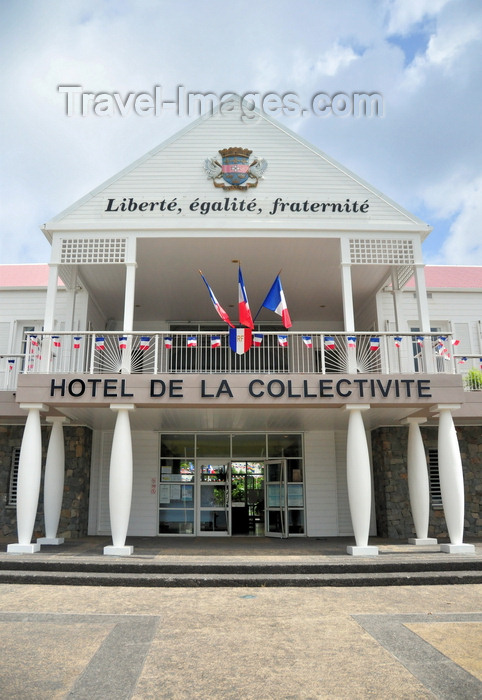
(284, 499)
(214, 499)
(275, 479)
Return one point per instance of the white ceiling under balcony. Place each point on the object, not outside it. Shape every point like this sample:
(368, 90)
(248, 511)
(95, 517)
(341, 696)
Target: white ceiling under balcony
(169, 287)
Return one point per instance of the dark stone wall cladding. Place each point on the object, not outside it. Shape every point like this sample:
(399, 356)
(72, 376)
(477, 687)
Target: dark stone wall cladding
(75, 504)
(392, 503)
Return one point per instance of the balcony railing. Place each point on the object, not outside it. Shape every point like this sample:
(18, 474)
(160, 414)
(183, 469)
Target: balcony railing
(210, 353)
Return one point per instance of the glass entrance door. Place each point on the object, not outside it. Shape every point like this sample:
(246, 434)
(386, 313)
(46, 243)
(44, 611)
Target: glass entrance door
(247, 498)
(275, 499)
(215, 499)
(284, 499)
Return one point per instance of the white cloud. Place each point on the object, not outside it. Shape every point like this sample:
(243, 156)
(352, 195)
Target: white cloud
(405, 14)
(461, 200)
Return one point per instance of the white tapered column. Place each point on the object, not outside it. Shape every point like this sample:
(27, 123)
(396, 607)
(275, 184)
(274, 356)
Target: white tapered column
(120, 481)
(451, 481)
(418, 484)
(28, 482)
(359, 481)
(54, 482)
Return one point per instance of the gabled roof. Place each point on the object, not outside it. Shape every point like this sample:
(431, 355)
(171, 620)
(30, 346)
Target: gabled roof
(33, 275)
(297, 171)
(451, 277)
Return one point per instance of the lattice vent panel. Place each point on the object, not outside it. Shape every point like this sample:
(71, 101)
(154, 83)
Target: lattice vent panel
(78, 251)
(381, 251)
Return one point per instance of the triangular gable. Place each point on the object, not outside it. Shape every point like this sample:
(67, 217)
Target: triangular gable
(302, 186)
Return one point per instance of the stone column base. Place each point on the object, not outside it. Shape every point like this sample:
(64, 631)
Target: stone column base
(421, 541)
(113, 551)
(457, 548)
(362, 551)
(23, 548)
(50, 540)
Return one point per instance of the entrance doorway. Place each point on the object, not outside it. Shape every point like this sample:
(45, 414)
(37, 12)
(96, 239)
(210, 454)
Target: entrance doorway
(222, 484)
(231, 499)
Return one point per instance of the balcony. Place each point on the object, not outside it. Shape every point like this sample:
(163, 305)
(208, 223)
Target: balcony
(209, 353)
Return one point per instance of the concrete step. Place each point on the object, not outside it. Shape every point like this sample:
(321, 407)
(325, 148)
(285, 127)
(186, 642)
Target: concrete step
(244, 566)
(142, 578)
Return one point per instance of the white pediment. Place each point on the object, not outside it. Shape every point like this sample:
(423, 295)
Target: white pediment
(170, 189)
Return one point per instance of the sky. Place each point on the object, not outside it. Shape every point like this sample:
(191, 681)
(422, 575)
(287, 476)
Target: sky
(422, 57)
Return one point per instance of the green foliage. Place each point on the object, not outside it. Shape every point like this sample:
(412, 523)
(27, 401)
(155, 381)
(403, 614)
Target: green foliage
(473, 380)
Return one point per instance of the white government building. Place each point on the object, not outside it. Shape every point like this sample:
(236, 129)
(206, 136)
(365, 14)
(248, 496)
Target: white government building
(125, 411)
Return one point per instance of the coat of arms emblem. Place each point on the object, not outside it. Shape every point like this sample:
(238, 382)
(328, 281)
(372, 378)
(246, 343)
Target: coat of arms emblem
(235, 172)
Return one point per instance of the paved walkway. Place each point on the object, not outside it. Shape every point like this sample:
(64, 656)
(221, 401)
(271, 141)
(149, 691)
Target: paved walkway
(115, 643)
(240, 644)
(309, 549)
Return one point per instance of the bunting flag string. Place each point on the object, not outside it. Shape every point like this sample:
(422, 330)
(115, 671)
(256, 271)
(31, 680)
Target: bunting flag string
(257, 339)
(374, 344)
(77, 340)
(420, 340)
(122, 342)
(329, 342)
(283, 341)
(144, 343)
(11, 364)
(168, 343)
(397, 340)
(56, 341)
(100, 342)
(191, 341)
(351, 340)
(308, 341)
(215, 341)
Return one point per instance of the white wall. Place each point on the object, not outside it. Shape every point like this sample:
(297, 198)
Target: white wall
(144, 510)
(320, 484)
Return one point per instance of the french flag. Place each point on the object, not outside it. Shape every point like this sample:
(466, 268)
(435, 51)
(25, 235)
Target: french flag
(374, 344)
(191, 341)
(100, 342)
(283, 341)
(398, 341)
(215, 341)
(144, 342)
(329, 342)
(11, 364)
(420, 340)
(257, 339)
(351, 340)
(122, 342)
(308, 341)
(245, 318)
(455, 341)
(462, 361)
(168, 343)
(222, 313)
(240, 340)
(275, 301)
(34, 340)
(56, 341)
(77, 339)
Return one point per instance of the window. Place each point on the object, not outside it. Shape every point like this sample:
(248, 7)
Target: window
(434, 479)
(12, 483)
